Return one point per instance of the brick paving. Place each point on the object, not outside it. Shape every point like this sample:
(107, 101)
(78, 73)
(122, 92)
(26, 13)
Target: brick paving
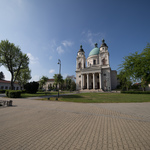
(46, 125)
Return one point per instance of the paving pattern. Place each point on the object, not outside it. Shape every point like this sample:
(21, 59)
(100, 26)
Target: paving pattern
(46, 125)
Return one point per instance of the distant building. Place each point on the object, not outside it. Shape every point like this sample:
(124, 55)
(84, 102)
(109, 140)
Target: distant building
(6, 85)
(97, 74)
(49, 84)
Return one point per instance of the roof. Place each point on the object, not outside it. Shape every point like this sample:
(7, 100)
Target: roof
(94, 51)
(81, 50)
(104, 44)
(50, 80)
(6, 81)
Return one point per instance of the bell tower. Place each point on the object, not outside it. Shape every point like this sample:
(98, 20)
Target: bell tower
(80, 60)
(104, 54)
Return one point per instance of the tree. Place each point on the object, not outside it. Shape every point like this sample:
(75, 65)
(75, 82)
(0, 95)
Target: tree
(69, 83)
(125, 81)
(23, 77)
(13, 59)
(136, 66)
(2, 77)
(42, 81)
(58, 80)
(31, 87)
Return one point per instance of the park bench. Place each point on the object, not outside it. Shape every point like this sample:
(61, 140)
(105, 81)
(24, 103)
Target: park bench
(6, 103)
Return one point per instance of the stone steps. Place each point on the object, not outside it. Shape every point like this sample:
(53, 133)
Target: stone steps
(91, 90)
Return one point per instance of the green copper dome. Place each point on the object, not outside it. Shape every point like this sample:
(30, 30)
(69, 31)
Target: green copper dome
(94, 51)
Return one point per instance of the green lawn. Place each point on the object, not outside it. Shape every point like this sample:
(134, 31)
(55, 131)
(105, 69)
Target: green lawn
(105, 98)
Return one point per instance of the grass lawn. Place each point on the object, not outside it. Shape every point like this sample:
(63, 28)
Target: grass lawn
(104, 98)
(38, 94)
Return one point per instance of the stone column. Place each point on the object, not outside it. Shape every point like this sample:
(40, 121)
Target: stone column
(100, 81)
(93, 80)
(88, 81)
(81, 82)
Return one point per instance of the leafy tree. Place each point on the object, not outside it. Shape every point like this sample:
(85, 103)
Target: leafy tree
(136, 66)
(125, 81)
(31, 87)
(58, 80)
(42, 81)
(13, 59)
(2, 77)
(23, 77)
(69, 83)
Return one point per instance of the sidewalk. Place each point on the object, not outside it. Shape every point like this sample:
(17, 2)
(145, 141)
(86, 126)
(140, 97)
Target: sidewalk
(46, 125)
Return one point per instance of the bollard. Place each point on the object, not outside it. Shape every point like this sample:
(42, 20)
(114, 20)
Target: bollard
(48, 98)
(56, 98)
(10, 103)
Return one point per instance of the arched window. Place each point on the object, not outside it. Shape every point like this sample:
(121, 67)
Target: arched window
(94, 62)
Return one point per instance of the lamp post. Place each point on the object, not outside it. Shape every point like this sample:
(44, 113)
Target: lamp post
(59, 62)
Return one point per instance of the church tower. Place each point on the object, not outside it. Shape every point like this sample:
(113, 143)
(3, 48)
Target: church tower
(104, 54)
(80, 61)
(80, 65)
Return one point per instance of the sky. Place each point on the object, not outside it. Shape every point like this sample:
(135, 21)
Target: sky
(48, 30)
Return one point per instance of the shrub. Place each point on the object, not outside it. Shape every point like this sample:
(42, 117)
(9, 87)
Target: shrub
(23, 91)
(2, 91)
(13, 93)
(135, 92)
(31, 87)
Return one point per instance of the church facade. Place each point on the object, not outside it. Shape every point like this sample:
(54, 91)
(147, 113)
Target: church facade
(94, 73)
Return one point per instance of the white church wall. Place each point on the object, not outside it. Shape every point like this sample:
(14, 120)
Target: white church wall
(113, 79)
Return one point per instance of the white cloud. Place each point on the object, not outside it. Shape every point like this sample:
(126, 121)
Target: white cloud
(92, 38)
(33, 60)
(35, 78)
(51, 71)
(59, 50)
(67, 43)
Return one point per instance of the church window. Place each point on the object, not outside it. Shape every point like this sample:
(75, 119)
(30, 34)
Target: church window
(94, 62)
(79, 76)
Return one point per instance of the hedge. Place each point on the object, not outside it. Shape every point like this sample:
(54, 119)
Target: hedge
(135, 92)
(13, 93)
(2, 91)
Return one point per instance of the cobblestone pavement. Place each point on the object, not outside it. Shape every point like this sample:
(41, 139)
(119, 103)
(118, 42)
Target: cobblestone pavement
(46, 125)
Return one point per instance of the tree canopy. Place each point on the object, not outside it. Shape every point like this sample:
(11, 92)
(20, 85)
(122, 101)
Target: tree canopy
(23, 77)
(2, 77)
(42, 81)
(136, 67)
(13, 59)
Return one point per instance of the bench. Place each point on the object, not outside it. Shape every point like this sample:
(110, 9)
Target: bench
(6, 103)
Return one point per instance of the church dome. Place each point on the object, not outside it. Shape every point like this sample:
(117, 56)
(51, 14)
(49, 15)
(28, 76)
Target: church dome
(94, 51)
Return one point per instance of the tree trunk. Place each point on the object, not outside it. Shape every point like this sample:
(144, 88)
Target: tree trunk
(12, 82)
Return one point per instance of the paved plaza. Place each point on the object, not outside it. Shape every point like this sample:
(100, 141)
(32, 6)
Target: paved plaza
(47, 125)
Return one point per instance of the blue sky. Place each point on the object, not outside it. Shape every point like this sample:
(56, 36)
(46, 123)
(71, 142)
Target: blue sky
(48, 30)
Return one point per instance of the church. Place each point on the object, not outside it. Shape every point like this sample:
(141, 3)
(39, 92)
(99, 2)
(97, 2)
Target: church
(94, 73)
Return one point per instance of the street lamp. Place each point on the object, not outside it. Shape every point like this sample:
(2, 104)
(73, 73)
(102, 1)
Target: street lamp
(59, 62)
